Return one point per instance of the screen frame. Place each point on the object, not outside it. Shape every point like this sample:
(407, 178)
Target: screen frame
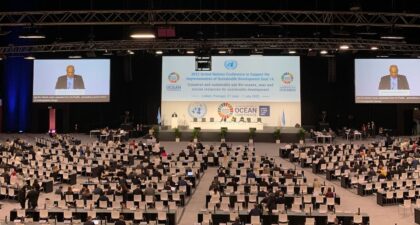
(73, 102)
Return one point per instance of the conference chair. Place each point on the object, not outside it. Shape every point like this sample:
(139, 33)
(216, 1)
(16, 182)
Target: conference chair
(195, 119)
(357, 219)
(259, 120)
(405, 206)
(248, 120)
(283, 219)
(203, 119)
(310, 221)
(211, 119)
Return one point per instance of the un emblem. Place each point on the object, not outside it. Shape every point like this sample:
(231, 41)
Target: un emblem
(197, 110)
(231, 64)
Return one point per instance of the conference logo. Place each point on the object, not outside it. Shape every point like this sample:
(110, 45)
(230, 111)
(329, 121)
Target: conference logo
(264, 110)
(173, 77)
(197, 110)
(287, 78)
(225, 110)
(231, 64)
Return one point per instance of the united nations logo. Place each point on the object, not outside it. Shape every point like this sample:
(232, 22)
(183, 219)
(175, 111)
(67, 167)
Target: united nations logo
(173, 77)
(287, 78)
(231, 64)
(197, 110)
(225, 110)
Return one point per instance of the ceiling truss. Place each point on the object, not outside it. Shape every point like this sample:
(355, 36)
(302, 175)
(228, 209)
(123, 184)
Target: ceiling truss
(187, 17)
(331, 44)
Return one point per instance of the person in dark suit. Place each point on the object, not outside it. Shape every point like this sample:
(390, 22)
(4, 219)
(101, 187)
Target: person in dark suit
(120, 221)
(32, 197)
(70, 80)
(256, 211)
(89, 221)
(22, 197)
(393, 81)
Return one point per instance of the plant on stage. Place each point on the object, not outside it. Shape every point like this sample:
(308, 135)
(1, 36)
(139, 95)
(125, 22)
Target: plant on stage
(301, 134)
(223, 132)
(177, 133)
(196, 133)
(276, 134)
(251, 133)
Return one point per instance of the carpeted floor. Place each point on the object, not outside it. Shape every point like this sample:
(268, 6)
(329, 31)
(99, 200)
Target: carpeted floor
(350, 201)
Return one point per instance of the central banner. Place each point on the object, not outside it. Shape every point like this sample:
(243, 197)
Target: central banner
(235, 89)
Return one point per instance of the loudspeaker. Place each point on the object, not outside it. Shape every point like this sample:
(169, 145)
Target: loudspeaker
(331, 70)
(128, 70)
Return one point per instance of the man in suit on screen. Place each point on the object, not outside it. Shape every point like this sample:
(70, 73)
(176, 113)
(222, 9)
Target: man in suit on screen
(70, 80)
(393, 81)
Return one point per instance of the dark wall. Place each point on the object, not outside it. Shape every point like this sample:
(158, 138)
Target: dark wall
(140, 93)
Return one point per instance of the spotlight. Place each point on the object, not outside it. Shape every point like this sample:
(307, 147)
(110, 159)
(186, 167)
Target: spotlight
(344, 47)
(392, 37)
(323, 52)
(374, 48)
(292, 52)
(75, 56)
(190, 52)
(28, 34)
(159, 52)
(143, 33)
(222, 51)
(29, 57)
(130, 52)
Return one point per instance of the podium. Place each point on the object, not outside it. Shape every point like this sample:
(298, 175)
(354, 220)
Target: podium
(174, 122)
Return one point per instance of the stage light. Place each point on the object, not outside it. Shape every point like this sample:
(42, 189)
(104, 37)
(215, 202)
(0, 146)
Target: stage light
(28, 34)
(75, 56)
(130, 52)
(222, 51)
(292, 52)
(392, 37)
(381, 56)
(344, 47)
(190, 52)
(143, 33)
(323, 52)
(159, 52)
(29, 57)
(373, 48)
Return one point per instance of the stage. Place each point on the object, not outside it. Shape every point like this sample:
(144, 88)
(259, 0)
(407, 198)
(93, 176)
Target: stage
(288, 134)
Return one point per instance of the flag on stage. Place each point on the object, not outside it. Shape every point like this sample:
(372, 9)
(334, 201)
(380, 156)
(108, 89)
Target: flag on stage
(283, 119)
(158, 116)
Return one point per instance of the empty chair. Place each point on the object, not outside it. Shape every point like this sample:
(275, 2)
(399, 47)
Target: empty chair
(283, 219)
(331, 219)
(357, 219)
(115, 215)
(255, 220)
(310, 221)
(405, 206)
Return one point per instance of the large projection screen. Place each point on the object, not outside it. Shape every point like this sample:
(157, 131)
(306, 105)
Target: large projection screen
(387, 80)
(71, 80)
(252, 88)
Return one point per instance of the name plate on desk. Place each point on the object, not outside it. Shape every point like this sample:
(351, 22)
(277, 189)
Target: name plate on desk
(70, 92)
(394, 92)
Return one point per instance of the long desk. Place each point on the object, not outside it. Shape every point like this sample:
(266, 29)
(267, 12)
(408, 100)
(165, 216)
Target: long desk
(229, 125)
(288, 199)
(58, 213)
(294, 218)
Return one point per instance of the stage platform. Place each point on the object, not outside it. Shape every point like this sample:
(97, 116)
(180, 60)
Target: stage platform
(288, 134)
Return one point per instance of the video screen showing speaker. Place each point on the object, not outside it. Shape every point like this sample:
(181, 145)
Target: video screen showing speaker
(246, 89)
(71, 80)
(387, 80)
